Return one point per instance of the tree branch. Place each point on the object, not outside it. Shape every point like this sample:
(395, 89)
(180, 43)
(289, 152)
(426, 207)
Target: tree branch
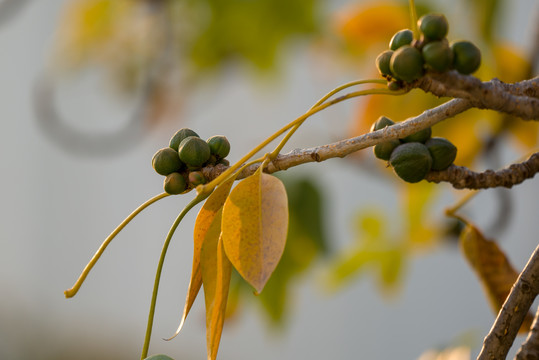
(460, 177)
(504, 330)
(346, 147)
(464, 178)
(519, 99)
(530, 348)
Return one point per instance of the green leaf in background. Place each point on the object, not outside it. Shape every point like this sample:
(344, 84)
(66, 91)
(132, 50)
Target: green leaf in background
(373, 251)
(251, 31)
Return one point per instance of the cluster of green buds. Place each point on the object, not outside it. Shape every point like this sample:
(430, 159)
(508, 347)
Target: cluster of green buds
(182, 161)
(408, 59)
(413, 156)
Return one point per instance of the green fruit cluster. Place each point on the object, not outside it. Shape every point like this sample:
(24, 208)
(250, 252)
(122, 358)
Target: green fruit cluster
(185, 156)
(408, 59)
(413, 156)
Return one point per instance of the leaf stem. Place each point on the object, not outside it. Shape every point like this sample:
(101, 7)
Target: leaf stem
(199, 198)
(211, 185)
(413, 19)
(287, 137)
(73, 291)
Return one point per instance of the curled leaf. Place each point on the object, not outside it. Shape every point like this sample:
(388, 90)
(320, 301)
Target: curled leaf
(491, 265)
(211, 208)
(254, 228)
(216, 271)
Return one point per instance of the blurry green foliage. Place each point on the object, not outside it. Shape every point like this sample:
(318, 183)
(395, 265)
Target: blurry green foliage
(248, 30)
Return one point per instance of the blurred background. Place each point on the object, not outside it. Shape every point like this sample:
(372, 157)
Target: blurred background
(92, 89)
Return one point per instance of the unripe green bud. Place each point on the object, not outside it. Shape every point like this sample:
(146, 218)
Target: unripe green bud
(443, 152)
(196, 178)
(421, 136)
(180, 136)
(194, 152)
(433, 26)
(382, 62)
(438, 55)
(407, 63)
(219, 146)
(381, 123)
(466, 57)
(174, 183)
(401, 38)
(383, 150)
(166, 161)
(411, 161)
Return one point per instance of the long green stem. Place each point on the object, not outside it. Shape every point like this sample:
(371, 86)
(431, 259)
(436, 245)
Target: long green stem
(413, 19)
(195, 201)
(287, 137)
(73, 291)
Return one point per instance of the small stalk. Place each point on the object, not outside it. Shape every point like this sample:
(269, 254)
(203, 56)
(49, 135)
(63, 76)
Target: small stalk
(195, 201)
(413, 19)
(73, 291)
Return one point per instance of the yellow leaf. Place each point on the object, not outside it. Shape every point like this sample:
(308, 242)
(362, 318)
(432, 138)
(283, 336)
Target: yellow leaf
(496, 274)
(216, 271)
(254, 229)
(204, 220)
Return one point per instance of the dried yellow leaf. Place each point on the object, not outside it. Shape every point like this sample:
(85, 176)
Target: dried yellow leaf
(490, 263)
(255, 226)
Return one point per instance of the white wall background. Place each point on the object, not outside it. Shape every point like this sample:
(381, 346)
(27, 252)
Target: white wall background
(56, 208)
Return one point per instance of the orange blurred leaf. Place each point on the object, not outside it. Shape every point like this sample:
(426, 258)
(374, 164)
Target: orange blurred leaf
(205, 218)
(362, 25)
(490, 263)
(216, 271)
(255, 226)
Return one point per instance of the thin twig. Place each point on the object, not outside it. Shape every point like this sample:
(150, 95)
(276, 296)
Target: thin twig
(504, 330)
(348, 146)
(530, 348)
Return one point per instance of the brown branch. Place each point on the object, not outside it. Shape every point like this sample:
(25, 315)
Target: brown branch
(530, 348)
(504, 330)
(519, 99)
(459, 177)
(464, 178)
(348, 146)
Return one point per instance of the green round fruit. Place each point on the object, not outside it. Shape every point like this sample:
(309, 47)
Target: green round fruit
(443, 152)
(433, 26)
(438, 55)
(383, 150)
(411, 161)
(219, 146)
(381, 123)
(166, 161)
(194, 152)
(196, 178)
(401, 38)
(382, 62)
(421, 136)
(159, 357)
(466, 57)
(407, 63)
(174, 183)
(180, 135)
